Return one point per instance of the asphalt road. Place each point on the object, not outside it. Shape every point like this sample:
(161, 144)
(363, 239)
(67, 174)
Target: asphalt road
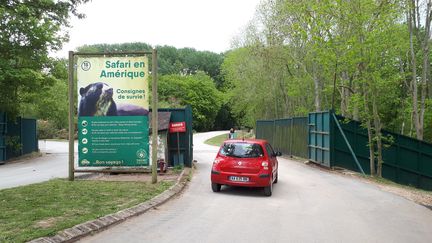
(308, 205)
(53, 164)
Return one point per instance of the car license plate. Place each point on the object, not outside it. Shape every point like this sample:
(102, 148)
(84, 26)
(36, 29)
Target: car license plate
(239, 178)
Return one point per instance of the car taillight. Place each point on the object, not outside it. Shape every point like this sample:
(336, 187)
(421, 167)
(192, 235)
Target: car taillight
(264, 164)
(215, 166)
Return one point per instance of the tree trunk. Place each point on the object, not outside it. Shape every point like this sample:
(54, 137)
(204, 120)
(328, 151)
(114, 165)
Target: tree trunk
(425, 69)
(411, 124)
(317, 87)
(343, 107)
(370, 133)
(345, 95)
(422, 107)
(415, 27)
(378, 136)
(411, 20)
(356, 112)
(379, 151)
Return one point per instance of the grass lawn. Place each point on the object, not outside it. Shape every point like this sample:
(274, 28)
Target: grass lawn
(43, 209)
(218, 140)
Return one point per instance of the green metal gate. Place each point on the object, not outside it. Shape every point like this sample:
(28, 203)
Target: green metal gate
(319, 138)
(358, 140)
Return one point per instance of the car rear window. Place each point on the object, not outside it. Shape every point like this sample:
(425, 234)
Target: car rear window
(242, 150)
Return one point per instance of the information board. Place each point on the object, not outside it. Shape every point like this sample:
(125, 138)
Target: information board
(113, 109)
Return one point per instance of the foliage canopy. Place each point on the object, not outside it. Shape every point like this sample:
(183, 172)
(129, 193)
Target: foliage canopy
(30, 30)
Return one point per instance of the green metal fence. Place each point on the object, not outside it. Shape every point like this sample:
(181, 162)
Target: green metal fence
(265, 130)
(2, 136)
(407, 160)
(29, 139)
(335, 141)
(358, 140)
(21, 135)
(288, 135)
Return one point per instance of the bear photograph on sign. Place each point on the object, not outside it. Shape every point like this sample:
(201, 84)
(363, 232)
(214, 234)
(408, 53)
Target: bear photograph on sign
(97, 99)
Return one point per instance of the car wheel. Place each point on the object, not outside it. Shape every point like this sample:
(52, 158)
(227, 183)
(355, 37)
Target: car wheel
(216, 187)
(268, 190)
(276, 180)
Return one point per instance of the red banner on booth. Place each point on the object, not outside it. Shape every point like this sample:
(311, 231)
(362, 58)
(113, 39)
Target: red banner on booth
(177, 127)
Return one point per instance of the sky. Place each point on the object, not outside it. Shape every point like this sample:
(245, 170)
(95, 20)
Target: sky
(206, 25)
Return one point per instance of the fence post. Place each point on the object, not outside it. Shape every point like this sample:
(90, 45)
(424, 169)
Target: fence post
(155, 117)
(71, 115)
(332, 134)
(37, 136)
(21, 136)
(291, 136)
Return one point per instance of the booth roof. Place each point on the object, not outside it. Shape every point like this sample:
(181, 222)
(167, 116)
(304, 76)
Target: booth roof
(164, 118)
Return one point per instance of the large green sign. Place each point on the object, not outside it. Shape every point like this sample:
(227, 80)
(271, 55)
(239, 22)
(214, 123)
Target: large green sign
(113, 111)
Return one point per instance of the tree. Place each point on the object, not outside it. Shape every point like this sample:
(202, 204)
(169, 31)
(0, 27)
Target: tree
(30, 30)
(421, 34)
(197, 90)
(171, 60)
(50, 102)
(293, 51)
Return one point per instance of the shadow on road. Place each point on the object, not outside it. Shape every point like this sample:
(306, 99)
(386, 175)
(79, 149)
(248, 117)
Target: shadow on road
(242, 191)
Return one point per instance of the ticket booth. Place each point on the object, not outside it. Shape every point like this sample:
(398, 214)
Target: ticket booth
(179, 149)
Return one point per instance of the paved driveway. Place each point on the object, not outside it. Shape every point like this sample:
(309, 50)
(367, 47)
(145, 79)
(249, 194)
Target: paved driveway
(308, 205)
(53, 164)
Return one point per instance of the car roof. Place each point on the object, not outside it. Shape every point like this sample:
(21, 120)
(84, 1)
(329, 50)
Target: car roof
(249, 140)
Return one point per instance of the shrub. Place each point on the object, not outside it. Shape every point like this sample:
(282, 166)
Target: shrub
(46, 129)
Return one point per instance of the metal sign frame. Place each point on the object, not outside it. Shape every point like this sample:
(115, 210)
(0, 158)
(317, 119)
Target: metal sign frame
(71, 74)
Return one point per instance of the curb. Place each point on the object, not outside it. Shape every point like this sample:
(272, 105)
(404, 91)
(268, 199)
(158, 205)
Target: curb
(85, 229)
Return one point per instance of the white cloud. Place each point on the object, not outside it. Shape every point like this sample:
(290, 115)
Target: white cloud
(200, 24)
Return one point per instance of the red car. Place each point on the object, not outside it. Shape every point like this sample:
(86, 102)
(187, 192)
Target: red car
(247, 163)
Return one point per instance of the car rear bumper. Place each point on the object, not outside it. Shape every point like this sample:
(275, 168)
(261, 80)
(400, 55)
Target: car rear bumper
(255, 180)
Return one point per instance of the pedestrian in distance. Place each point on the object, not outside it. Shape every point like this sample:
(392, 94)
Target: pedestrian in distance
(231, 133)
